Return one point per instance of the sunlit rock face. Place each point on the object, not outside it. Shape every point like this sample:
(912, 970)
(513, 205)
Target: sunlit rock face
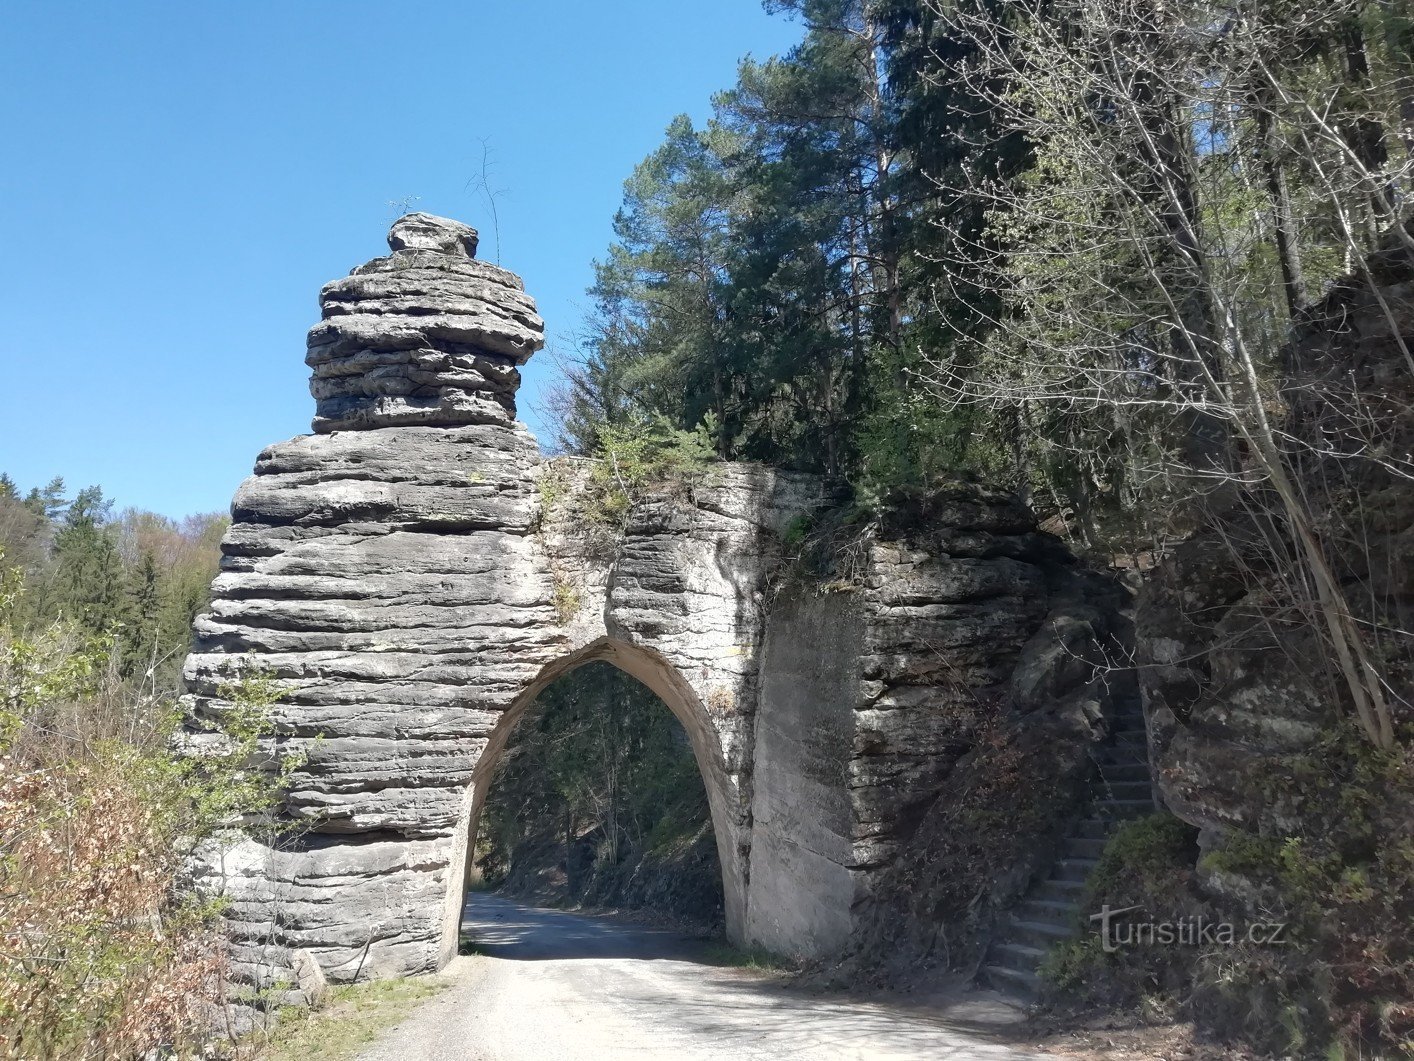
(396, 573)
(426, 336)
(402, 574)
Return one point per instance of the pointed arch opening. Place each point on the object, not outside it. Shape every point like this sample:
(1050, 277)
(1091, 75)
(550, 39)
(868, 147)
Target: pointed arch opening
(650, 670)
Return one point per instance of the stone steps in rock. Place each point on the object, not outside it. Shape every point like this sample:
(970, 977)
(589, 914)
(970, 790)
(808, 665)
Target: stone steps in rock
(1124, 755)
(1119, 810)
(1080, 847)
(1113, 773)
(1011, 981)
(1020, 956)
(1060, 915)
(1059, 890)
(1125, 790)
(1043, 934)
(1049, 913)
(1073, 869)
(1092, 829)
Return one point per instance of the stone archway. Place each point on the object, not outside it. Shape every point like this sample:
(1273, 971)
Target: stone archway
(403, 577)
(398, 574)
(660, 677)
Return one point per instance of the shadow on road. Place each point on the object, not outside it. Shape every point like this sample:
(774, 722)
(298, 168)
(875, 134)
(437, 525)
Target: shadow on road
(739, 1014)
(502, 928)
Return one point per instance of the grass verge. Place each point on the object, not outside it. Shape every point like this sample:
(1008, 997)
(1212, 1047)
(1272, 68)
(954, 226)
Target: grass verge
(758, 958)
(348, 1022)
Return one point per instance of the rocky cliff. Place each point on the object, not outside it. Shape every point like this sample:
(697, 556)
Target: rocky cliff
(412, 575)
(1300, 818)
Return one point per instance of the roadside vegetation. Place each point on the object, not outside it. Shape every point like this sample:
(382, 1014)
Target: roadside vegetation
(107, 949)
(344, 1024)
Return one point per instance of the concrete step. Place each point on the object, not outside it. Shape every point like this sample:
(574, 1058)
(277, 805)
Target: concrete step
(1126, 790)
(1059, 891)
(1077, 869)
(1025, 986)
(1042, 934)
(1133, 738)
(1061, 914)
(1113, 772)
(1124, 809)
(1124, 755)
(1019, 956)
(1093, 829)
(1079, 847)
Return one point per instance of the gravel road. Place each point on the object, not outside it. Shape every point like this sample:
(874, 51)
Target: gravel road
(550, 986)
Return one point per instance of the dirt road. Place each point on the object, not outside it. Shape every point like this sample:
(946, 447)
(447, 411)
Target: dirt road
(550, 986)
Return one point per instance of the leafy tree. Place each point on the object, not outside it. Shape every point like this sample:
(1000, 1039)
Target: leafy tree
(598, 755)
(658, 339)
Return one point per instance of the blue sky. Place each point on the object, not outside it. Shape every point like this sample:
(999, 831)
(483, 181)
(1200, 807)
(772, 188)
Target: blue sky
(179, 179)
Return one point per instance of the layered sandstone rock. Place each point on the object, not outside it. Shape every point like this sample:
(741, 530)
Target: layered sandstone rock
(397, 575)
(427, 335)
(401, 576)
(960, 643)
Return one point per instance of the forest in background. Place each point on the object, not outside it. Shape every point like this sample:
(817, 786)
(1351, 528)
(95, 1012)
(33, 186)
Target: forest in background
(599, 802)
(135, 578)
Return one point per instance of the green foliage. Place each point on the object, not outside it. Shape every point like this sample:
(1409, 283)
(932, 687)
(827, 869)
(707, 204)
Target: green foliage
(757, 278)
(796, 533)
(1071, 965)
(105, 954)
(1144, 860)
(566, 599)
(1342, 977)
(637, 455)
(598, 776)
(553, 488)
(345, 1025)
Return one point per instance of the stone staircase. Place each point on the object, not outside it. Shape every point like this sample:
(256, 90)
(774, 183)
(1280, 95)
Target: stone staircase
(1049, 912)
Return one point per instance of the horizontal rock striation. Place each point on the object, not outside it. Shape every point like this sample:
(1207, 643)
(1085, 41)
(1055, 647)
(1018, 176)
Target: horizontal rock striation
(427, 336)
(411, 576)
(954, 646)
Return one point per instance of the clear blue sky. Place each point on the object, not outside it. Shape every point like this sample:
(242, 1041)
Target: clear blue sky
(180, 178)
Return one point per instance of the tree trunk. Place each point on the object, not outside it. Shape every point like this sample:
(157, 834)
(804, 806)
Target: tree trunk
(1284, 227)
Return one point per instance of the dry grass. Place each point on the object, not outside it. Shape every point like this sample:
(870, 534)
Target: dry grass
(353, 1018)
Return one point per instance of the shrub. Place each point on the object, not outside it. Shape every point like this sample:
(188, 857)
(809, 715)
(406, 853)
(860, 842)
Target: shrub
(641, 454)
(103, 951)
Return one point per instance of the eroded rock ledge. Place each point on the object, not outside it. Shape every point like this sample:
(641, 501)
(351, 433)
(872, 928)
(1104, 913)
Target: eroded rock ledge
(400, 575)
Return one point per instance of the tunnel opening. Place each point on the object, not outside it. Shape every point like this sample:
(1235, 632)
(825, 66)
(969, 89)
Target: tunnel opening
(597, 801)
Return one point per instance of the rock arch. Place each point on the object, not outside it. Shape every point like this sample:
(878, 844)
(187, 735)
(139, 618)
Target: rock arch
(401, 573)
(662, 679)
(397, 573)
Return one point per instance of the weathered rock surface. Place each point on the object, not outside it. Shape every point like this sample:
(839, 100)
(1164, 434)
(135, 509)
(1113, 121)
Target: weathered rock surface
(431, 233)
(399, 574)
(427, 335)
(1239, 681)
(969, 648)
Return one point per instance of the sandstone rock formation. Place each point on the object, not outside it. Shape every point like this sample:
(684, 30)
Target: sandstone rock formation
(1234, 692)
(399, 574)
(427, 335)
